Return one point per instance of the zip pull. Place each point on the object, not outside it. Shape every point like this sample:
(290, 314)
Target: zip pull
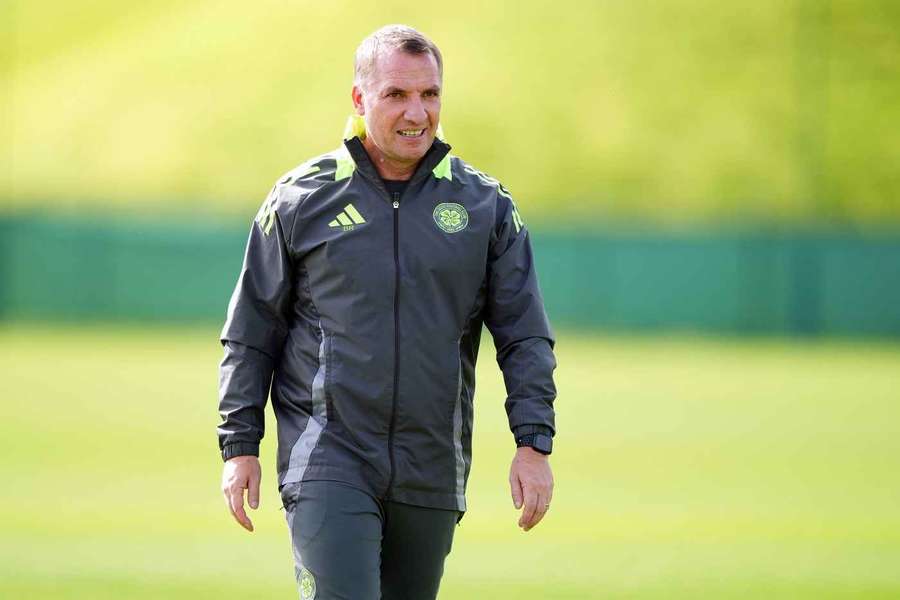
(396, 200)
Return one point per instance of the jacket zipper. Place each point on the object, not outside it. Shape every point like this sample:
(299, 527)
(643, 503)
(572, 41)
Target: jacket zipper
(396, 205)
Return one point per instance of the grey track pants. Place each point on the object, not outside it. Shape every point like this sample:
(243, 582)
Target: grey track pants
(350, 546)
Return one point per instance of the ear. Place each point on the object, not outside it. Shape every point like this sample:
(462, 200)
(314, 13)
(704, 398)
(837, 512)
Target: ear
(357, 95)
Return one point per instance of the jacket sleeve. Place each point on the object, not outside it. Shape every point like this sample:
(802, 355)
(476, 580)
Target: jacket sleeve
(515, 316)
(255, 329)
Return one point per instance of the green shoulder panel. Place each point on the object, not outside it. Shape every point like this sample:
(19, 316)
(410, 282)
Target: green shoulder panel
(486, 180)
(290, 189)
(305, 170)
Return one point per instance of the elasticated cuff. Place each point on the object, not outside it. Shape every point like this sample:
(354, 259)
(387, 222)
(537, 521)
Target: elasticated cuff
(239, 449)
(526, 429)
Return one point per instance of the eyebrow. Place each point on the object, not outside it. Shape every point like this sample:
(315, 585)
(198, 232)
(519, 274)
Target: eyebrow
(392, 89)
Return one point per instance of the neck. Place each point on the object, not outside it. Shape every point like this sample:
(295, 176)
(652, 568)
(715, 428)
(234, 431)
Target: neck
(387, 168)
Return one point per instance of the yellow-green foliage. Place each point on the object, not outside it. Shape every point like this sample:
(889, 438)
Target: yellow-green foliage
(674, 111)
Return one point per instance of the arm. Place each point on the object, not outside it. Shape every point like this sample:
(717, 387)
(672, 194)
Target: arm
(515, 316)
(244, 378)
(254, 332)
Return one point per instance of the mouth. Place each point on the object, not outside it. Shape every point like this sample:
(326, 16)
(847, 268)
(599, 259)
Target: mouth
(411, 133)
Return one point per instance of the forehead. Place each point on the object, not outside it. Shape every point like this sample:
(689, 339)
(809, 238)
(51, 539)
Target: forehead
(397, 68)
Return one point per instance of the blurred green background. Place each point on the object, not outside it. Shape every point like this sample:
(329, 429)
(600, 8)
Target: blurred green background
(712, 190)
(677, 111)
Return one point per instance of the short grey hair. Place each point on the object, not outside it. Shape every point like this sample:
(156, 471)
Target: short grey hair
(386, 39)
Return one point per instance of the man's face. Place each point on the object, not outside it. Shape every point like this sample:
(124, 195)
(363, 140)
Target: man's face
(401, 103)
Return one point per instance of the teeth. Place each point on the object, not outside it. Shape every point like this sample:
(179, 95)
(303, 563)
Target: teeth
(411, 132)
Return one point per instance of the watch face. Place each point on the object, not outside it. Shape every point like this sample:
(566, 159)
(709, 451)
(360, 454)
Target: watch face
(543, 443)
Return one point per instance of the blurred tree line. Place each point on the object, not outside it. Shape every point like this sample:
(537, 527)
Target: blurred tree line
(680, 112)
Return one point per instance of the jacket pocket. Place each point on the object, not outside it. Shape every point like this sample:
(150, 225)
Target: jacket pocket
(288, 493)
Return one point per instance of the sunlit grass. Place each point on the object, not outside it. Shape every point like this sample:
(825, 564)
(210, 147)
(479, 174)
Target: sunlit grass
(684, 468)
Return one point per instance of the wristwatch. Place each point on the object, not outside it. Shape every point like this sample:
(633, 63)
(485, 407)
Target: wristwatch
(538, 441)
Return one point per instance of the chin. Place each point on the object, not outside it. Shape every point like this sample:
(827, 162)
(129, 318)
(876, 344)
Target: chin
(414, 155)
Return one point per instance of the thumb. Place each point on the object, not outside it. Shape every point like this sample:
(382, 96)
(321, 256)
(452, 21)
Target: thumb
(516, 489)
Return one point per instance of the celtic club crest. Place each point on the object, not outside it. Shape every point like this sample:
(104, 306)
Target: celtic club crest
(307, 585)
(451, 217)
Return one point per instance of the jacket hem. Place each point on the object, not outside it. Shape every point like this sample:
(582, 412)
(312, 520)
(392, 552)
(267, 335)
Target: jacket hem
(441, 500)
(327, 473)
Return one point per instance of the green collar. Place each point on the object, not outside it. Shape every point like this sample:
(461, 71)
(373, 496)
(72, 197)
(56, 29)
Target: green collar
(356, 127)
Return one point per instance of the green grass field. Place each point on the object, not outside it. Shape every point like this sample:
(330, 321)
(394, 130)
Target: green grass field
(685, 468)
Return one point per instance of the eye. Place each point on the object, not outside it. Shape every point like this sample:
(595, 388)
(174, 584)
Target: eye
(431, 94)
(395, 94)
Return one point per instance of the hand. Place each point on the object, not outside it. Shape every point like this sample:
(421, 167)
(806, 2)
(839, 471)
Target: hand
(531, 482)
(241, 473)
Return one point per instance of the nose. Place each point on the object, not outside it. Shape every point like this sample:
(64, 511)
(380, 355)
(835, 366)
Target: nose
(415, 111)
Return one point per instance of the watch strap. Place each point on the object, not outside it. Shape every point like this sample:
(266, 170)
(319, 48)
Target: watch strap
(537, 441)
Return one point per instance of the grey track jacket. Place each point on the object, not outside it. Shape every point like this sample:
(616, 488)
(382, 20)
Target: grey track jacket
(363, 310)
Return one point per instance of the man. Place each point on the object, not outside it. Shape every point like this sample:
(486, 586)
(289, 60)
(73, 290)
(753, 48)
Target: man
(367, 277)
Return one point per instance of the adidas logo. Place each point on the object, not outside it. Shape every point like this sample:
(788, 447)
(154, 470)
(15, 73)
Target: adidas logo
(348, 218)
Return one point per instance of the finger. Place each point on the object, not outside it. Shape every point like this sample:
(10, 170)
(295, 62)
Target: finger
(531, 499)
(539, 513)
(253, 493)
(226, 494)
(237, 507)
(515, 489)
